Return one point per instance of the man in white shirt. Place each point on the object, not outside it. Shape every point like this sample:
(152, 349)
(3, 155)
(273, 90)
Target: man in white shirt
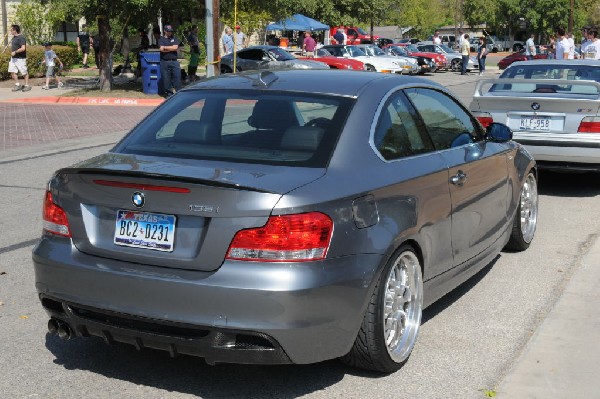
(571, 41)
(592, 49)
(562, 45)
(530, 47)
(436, 38)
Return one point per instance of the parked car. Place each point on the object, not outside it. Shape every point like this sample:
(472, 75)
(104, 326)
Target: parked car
(454, 58)
(407, 40)
(440, 60)
(382, 42)
(266, 57)
(426, 64)
(373, 64)
(504, 44)
(326, 57)
(540, 54)
(552, 106)
(448, 40)
(355, 35)
(409, 65)
(283, 217)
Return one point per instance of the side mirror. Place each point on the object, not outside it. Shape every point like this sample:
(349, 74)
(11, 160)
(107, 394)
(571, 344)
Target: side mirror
(498, 133)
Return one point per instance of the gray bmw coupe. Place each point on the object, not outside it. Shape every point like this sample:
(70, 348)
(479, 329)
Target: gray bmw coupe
(283, 217)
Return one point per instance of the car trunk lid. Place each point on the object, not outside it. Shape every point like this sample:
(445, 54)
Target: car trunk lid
(201, 204)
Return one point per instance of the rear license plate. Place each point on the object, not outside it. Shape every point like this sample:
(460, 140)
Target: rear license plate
(539, 123)
(145, 230)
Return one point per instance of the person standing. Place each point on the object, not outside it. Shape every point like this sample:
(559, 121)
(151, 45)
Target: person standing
(592, 49)
(585, 39)
(562, 44)
(194, 53)
(50, 59)
(436, 38)
(18, 58)
(482, 55)
(83, 44)
(241, 41)
(551, 48)
(227, 41)
(464, 52)
(530, 47)
(309, 45)
(170, 69)
(571, 54)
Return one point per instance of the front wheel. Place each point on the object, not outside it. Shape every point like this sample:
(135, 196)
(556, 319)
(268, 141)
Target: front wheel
(456, 65)
(525, 221)
(391, 323)
(370, 68)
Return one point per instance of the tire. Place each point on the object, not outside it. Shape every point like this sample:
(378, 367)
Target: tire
(225, 69)
(495, 50)
(525, 221)
(393, 317)
(370, 68)
(456, 65)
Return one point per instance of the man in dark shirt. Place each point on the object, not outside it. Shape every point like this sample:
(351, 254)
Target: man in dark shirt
(83, 44)
(18, 59)
(170, 69)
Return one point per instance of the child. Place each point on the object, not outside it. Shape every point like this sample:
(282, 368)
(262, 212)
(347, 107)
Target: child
(49, 57)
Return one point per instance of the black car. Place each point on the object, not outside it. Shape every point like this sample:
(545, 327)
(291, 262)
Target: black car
(425, 63)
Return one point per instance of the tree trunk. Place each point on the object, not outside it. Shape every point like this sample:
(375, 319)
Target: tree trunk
(106, 79)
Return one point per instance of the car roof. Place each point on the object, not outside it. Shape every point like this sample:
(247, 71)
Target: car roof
(559, 62)
(342, 83)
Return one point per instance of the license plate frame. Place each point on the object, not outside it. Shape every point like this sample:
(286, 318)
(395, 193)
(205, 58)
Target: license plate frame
(536, 123)
(145, 230)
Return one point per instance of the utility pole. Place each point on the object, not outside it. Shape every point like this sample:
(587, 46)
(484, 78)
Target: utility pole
(4, 22)
(571, 11)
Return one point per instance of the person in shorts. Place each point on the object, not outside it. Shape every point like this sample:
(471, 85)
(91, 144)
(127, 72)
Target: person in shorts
(50, 59)
(194, 53)
(83, 44)
(18, 59)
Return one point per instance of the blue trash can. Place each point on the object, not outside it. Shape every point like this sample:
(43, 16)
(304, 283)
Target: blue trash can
(151, 78)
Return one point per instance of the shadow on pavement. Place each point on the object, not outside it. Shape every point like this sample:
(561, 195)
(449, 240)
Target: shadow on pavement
(569, 184)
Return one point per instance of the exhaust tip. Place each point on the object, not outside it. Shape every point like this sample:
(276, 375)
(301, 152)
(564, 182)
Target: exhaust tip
(64, 331)
(53, 326)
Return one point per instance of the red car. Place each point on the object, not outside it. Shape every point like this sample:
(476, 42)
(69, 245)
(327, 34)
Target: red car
(335, 62)
(440, 59)
(355, 35)
(540, 54)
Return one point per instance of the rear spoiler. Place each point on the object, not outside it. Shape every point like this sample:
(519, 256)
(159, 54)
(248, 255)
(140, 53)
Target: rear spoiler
(539, 86)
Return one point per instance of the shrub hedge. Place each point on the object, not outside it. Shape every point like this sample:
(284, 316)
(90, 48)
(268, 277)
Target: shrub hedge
(35, 54)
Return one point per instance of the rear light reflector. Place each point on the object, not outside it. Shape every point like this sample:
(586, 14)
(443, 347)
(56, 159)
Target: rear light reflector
(146, 187)
(484, 118)
(589, 124)
(288, 238)
(55, 218)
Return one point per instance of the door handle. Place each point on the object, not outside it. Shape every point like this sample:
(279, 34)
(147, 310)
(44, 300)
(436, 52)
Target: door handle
(459, 178)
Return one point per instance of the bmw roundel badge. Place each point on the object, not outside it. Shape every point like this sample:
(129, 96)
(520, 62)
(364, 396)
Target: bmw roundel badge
(535, 106)
(138, 199)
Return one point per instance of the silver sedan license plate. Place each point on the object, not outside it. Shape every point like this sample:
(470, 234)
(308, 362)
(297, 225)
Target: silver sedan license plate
(145, 230)
(539, 123)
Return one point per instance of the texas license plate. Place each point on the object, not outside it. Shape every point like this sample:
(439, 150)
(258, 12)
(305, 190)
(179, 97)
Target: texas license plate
(145, 230)
(539, 123)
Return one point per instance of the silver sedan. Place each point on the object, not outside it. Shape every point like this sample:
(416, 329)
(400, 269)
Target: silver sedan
(553, 107)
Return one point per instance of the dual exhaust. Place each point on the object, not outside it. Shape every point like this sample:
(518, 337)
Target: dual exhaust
(60, 328)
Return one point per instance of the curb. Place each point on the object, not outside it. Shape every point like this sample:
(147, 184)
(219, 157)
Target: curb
(150, 102)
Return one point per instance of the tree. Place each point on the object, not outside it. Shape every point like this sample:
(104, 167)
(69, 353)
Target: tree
(37, 21)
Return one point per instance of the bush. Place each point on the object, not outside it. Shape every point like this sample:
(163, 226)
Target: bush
(35, 55)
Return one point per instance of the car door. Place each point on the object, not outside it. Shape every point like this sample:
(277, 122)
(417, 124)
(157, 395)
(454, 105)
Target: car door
(417, 198)
(478, 172)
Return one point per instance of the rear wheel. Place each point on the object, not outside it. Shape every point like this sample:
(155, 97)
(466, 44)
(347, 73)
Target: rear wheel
(456, 65)
(391, 323)
(525, 222)
(225, 69)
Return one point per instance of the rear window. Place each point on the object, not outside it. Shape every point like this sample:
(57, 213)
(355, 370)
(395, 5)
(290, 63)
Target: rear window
(559, 72)
(250, 127)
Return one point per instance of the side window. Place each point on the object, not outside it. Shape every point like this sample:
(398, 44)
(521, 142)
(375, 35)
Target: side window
(448, 124)
(397, 132)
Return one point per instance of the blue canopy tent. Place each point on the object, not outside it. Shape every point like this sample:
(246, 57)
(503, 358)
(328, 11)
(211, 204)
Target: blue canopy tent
(298, 22)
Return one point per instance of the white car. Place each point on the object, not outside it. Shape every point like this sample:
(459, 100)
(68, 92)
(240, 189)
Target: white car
(409, 65)
(375, 64)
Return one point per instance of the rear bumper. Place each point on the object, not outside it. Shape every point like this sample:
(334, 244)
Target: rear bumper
(563, 151)
(244, 312)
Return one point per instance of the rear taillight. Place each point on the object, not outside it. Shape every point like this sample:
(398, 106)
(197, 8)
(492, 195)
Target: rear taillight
(288, 238)
(55, 218)
(484, 118)
(589, 124)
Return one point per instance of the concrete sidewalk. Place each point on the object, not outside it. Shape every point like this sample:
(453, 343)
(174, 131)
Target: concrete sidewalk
(562, 359)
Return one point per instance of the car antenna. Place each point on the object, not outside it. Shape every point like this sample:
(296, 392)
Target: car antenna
(265, 78)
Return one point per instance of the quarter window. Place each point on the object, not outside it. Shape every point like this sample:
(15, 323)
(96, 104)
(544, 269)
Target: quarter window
(397, 133)
(448, 124)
